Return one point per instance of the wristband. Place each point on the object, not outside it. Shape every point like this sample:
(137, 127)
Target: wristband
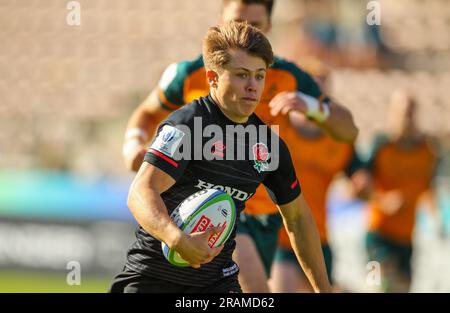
(130, 145)
(135, 132)
(315, 109)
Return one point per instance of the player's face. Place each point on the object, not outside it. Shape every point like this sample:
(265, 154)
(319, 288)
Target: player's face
(254, 14)
(240, 85)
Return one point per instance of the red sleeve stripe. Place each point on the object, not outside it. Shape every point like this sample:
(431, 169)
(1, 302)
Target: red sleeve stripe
(162, 156)
(294, 184)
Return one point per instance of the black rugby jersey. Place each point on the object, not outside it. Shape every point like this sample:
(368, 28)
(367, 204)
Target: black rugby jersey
(177, 150)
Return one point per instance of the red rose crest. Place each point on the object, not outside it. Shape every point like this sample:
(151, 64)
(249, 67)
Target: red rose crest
(260, 156)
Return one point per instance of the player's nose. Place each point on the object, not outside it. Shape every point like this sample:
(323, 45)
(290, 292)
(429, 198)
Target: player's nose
(251, 85)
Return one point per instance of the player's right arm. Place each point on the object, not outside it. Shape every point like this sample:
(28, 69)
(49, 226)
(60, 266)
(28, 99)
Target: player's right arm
(148, 208)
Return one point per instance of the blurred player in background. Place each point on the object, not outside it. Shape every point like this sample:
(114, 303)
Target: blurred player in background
(319, 159)
(402, 164)
(184, 81)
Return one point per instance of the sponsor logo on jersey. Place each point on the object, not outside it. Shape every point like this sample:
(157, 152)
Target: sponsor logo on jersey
(218, 148)
(233, 192)
(228, 271)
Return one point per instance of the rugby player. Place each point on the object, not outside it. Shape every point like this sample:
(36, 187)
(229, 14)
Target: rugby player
(403, 163)
(236, 57)
(185, 81)
(320, 159)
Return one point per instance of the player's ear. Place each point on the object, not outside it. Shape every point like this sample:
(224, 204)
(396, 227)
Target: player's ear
(212, 78)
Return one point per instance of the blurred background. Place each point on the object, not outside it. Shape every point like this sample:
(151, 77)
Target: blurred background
(67, 92)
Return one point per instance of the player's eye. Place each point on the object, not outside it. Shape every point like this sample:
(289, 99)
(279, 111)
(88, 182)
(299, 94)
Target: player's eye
(242, 75)
(259, 76)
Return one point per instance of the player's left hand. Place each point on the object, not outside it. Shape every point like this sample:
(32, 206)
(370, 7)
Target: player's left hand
(285, 102)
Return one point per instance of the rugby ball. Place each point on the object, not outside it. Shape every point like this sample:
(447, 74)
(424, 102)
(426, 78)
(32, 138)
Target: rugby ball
(204, 209)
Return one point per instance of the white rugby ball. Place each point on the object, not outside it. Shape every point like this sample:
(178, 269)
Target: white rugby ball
(202, 210)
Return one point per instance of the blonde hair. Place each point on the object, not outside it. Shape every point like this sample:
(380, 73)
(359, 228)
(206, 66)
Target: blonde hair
(234, 35)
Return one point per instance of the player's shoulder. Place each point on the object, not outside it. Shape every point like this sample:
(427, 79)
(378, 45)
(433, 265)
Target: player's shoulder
(189, 66)
(431, 142)
(179, 71)
(186, 114)
(429, 139)
(380, 140)
(305, 82)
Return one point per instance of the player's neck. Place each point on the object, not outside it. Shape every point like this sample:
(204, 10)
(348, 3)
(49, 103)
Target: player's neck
(408, 139)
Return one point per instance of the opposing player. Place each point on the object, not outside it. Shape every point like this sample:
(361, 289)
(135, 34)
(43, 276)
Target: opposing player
(402, 164)
(184, 81)
(237, 56)
(319, 160)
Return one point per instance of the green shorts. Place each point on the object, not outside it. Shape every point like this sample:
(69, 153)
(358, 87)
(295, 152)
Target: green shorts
(288, 255)
(380, 248)
(263, 229)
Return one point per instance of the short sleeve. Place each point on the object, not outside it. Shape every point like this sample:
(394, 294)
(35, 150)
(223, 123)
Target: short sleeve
(171, 86)
(165, 151)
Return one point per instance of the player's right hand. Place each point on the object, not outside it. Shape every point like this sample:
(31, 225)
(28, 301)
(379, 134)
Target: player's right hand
(194, 248)
(134, 157)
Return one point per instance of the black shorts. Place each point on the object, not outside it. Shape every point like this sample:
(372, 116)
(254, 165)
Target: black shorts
(288, 255)
(263, 229)
(380, 248)
(129, 281)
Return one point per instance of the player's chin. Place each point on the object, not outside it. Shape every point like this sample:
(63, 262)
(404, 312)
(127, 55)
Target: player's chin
(248, 107)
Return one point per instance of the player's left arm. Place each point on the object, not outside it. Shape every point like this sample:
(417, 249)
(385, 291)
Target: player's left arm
(285, 191)
(305, 241)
